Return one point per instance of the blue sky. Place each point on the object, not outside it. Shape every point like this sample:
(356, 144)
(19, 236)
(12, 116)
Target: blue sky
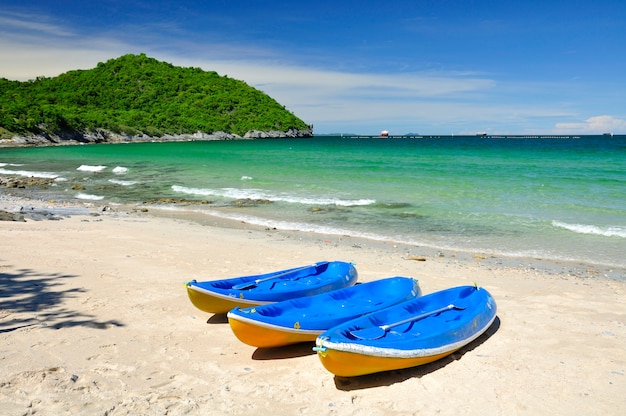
(427, 67)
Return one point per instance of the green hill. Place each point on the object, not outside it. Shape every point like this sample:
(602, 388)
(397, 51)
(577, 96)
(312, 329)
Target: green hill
(135, 95)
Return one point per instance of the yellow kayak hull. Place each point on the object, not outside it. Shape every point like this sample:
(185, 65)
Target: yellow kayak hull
(349, 364)
(268, 336)
(213, 303)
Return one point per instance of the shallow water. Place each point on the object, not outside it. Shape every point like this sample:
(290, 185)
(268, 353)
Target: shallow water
(556, 198)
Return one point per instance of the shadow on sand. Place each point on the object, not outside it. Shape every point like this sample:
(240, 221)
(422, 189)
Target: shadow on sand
(29, 298)
(288, 351)
(218, 318)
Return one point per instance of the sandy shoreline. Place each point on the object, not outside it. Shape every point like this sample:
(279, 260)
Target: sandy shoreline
(94, 319)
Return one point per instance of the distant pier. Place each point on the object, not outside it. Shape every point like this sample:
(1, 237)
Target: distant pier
(452, 136)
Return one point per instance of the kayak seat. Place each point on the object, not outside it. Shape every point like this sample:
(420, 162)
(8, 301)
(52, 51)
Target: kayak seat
(222, 285)
(270, 311)
(341, 295)
(301, 302)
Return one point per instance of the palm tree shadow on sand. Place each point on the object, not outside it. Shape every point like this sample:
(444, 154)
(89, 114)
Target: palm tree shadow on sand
(388, 378)
(30, 298)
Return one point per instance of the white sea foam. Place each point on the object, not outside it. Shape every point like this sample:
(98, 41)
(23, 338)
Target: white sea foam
(29, 173)
(89, 196)
(120, 169)
(282, 225)
(592, 229)
(123, 183)
(235, 193)
(91, 168)
(246, 178)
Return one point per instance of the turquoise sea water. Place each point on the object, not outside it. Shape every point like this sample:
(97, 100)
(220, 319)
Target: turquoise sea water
(555, 199)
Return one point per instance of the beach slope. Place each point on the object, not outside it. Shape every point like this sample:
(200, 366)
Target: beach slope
(94, 319)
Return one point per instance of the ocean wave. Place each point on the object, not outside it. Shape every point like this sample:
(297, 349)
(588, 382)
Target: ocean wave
(29, 173)
(246, 178)
(235, 193)
(120, 169)
(91, 168)
(123, 183)
(592, 229)
(89, 196)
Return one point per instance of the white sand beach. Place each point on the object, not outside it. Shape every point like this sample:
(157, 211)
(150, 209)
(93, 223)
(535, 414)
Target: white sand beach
(95, 320)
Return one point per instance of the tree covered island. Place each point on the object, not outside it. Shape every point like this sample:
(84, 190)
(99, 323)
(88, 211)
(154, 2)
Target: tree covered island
(134, 98)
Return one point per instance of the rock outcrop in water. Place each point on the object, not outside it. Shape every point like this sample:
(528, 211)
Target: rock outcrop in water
(105, 136)
(24, 182)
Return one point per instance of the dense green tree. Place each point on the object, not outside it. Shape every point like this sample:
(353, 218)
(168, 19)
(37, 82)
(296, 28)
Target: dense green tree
(136, 94)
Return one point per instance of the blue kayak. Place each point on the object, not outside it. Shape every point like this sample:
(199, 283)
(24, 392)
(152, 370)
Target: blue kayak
(303, 319)
(408, 334)
(220, 296)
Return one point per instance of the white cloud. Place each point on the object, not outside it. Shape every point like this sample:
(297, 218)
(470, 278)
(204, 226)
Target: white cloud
(24, 60)
(594, 125)
(32, 46)
(332, 99)
(19, 22)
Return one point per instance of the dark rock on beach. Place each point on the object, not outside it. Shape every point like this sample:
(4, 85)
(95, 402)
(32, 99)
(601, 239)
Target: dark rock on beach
(31, 213)
(248, 202)
(24, 182)
(37, 213)
(11, 216)
(177, 201)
